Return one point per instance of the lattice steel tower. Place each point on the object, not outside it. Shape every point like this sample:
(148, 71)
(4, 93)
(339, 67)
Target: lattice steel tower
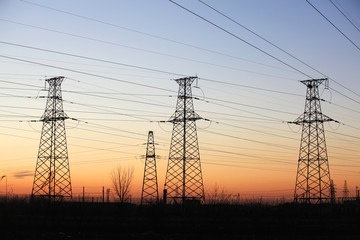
(183, 177)
(52, 174)
(313, 182)
(346, 191)
(150, 193)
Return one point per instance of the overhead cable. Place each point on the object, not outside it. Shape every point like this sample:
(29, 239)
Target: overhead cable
(239, 38)
(333, 25)
(274, 45)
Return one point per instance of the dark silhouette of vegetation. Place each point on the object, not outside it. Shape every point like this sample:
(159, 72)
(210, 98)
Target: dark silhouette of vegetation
(24, 219)
(218, 195)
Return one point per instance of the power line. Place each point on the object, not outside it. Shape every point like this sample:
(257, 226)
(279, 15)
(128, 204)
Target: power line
(259, 36)
(21, 84)
(205, 149)
(118, 93)
(103, 149)
(241, 166)
(251, 87)
(111, 113)
(344, 95)
(258, 131)
(138, 49)
(154, 104)
(242, 110)
(338, 105)
(144, 68)
(136, 116)
(246, 105)
(244, 41)
(148, 34)
(150, 120)
(249, 140)
(120, 99)
(262, 158)
(345, 135)
(132, 66)
(238, 147)
(90, 58)
(85, 73)
(274, 45)
(110, 79)
(161, 105)
(156, 36)
(117, 113)
(122, 64)
(333, 25)
(344, 15)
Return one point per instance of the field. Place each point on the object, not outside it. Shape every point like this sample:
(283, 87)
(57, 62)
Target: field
(20, 219)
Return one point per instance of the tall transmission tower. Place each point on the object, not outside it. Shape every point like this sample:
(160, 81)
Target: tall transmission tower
(150, 193)
(52, 174)
(313, 182)
(184, 177)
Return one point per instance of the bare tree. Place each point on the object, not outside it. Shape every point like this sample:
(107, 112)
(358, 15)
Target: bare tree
(219, 196)
(121, 179)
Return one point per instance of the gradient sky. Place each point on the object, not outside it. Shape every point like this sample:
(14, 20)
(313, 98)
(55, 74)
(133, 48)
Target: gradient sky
(248, 148)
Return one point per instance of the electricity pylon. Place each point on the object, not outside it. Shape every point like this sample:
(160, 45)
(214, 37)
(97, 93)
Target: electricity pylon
(313, 182)
(52, 174)
(183, 177)
(346, 191)
(150, 193)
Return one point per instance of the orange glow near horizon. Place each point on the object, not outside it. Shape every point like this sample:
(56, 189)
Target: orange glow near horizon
(246, 180)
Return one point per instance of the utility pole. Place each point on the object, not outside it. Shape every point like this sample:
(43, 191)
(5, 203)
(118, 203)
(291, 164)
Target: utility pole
(150, 193)
(1, 178)
(108, 195)
(313, 184)
(52, 174)
(332, 192)
(103, 194)
(184, 177)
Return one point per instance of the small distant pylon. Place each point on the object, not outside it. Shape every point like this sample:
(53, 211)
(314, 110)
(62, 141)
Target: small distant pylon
(313, 182)
(52, 174)
(150, 193)
(346, 191)
(184, 177)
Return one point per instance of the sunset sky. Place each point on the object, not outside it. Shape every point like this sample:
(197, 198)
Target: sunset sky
(119, 60)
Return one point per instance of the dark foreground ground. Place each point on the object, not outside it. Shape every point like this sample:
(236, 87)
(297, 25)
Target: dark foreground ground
(39, 220)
